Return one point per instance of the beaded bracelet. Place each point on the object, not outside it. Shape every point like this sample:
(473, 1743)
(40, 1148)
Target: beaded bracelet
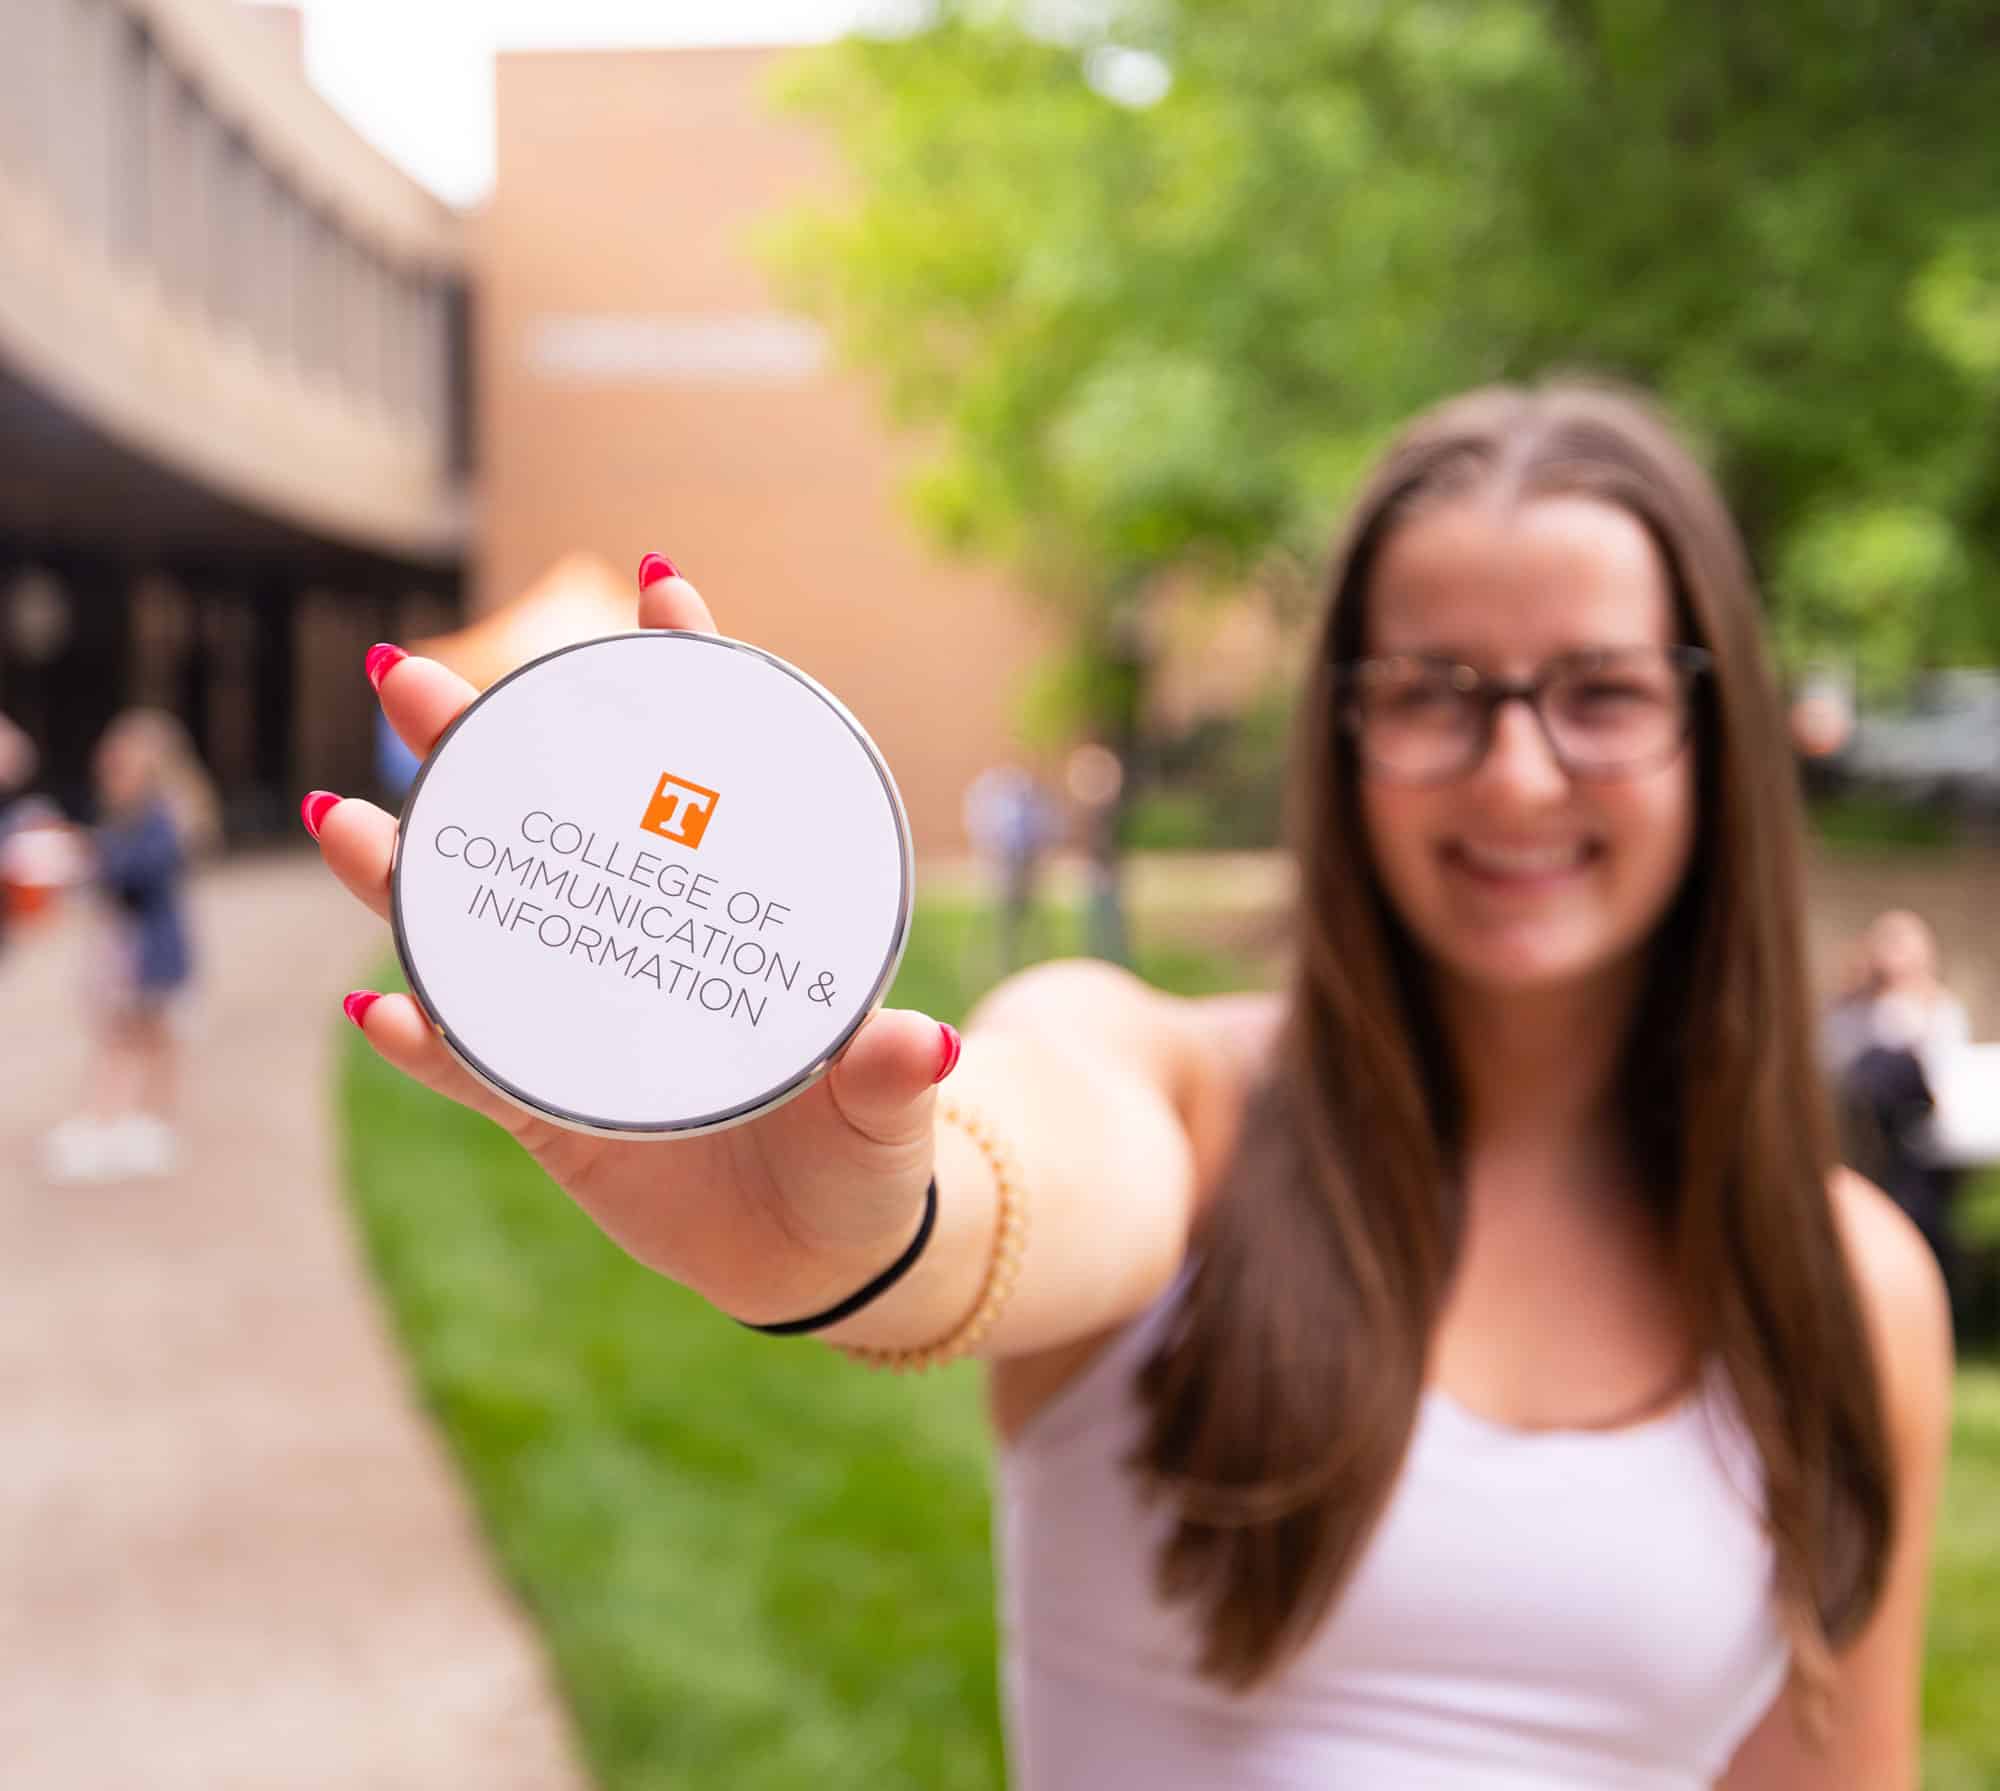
(1010, 1236)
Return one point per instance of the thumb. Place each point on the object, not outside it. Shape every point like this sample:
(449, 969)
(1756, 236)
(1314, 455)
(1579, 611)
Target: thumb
(882, 1081)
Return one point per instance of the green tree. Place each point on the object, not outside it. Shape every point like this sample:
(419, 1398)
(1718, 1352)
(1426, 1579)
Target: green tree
(1158, 284)
(1784, 219)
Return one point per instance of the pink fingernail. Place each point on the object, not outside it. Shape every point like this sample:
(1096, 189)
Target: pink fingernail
(654, 567)
(358, 1003)
(382, 660)
(313, 810)
(949, 1047)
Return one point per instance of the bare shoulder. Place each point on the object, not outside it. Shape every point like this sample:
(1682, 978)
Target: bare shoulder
(1198, 1053)
(1201, 1051)
(1904, 1301)
(1229, 1041)
(1084, 1000)
(1240, 1030)
(1893, 1266)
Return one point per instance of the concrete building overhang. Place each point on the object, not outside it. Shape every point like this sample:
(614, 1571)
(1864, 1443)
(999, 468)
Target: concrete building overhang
(67, 484)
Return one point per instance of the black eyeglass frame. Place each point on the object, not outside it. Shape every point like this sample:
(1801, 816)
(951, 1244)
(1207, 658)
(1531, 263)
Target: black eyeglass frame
(1690, 663)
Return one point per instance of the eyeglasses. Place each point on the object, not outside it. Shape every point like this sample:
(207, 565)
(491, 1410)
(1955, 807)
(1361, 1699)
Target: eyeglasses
(1607, 713)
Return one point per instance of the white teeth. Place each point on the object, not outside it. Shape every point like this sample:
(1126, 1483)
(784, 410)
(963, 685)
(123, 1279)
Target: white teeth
(1523, 861)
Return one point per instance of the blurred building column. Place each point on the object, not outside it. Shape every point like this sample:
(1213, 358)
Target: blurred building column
(228, 713)
(131, 181)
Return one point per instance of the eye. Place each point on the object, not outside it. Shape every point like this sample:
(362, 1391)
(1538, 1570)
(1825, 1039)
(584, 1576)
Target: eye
(1607, 701)
(1610, 679)
(1417, 693)
(1416, 690)
(1609, 693)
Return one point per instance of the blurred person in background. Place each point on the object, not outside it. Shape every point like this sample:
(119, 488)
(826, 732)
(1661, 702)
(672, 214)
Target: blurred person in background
(1467, 1366)
(18, 759)
(1887, 1042)
(1911, 1003)
(156, 813)
(1012, 822)
(396, 767)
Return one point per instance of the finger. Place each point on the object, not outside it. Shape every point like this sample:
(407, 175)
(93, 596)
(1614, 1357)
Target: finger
(667, 600)
(420, 697)
(402, 1036)
(883, 1080)
(357, 840)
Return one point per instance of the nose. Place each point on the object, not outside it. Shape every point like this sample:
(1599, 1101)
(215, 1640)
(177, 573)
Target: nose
(1520, 763)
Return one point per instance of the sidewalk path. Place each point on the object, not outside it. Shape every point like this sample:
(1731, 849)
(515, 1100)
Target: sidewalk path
(233, 1557)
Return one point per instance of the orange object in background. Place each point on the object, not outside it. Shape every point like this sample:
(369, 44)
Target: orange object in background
(25, 901)
(579, 598)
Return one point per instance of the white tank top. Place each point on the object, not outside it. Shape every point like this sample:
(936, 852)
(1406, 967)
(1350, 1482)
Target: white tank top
(1536, 1609)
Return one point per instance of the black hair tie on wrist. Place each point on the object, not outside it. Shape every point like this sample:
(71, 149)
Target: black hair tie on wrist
(888, 1278)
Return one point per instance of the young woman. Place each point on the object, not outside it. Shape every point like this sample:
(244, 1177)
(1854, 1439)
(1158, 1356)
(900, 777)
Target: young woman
(1466, 1368)
(156, 810)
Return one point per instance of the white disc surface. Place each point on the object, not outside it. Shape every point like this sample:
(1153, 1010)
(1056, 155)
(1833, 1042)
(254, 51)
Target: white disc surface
(652, 883)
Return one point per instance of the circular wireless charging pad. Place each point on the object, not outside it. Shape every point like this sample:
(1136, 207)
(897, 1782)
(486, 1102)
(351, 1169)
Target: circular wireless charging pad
(652, 884)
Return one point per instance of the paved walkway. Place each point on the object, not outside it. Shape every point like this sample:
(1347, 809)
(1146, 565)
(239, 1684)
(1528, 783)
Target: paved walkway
(232, 1555)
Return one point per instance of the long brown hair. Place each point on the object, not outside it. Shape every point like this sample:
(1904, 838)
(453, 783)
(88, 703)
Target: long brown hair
(1280, 1406)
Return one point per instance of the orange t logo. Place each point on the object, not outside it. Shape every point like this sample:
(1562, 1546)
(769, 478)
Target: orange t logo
(680, 810)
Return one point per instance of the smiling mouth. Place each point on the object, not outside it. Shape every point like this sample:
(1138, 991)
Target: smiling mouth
(1493, 863)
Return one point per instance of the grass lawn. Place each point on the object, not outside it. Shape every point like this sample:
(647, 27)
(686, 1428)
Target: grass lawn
(755, 1565)
(1962, 1671)
(1863, 822)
